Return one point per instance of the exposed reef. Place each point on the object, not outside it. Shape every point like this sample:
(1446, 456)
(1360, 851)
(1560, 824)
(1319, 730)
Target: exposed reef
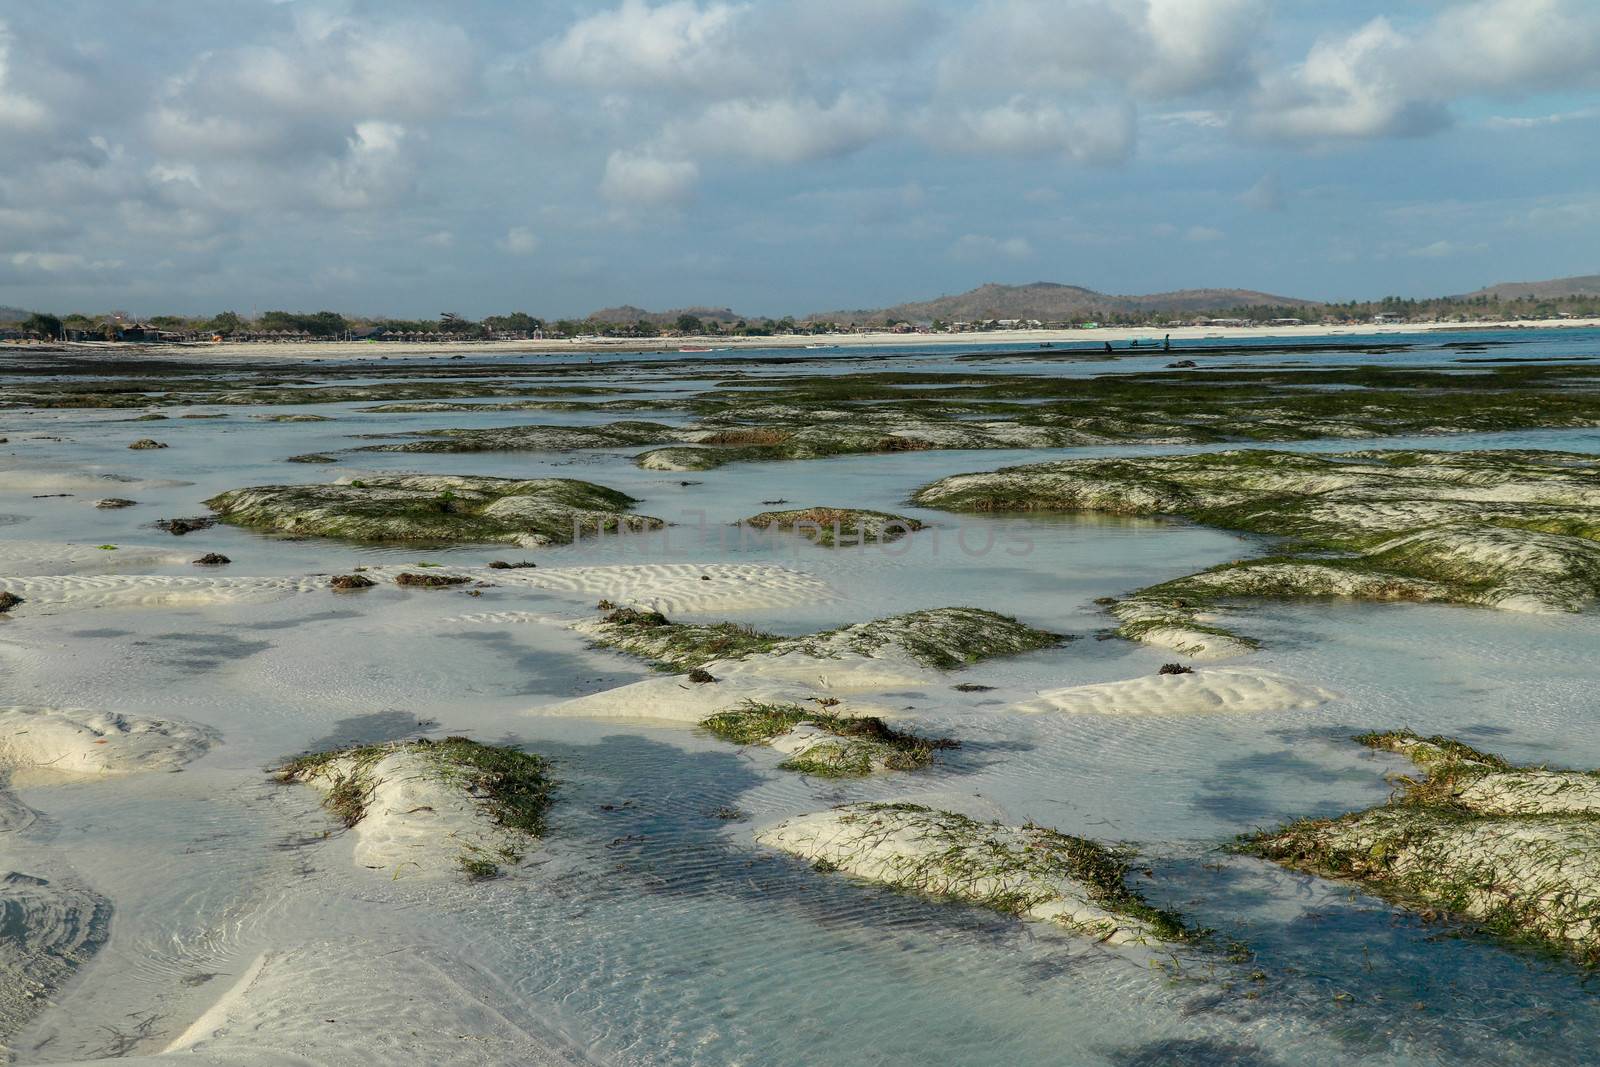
(1029, 871)
(941, 638)
(833, 527)
(818, 742)
(677, 646)
(1514, 849)
(1518, 530)
(435, 509)
(531, 438)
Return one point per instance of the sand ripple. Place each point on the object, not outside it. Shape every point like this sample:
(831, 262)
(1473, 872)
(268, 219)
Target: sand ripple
(671, 588)
(18, 558)
(150, 590)
(1217, 689)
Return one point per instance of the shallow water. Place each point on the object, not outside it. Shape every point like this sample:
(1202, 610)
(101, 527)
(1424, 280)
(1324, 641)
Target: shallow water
(652, 931)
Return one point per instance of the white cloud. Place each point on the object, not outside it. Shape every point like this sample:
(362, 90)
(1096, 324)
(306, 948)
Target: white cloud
(1353, 86)
(673, 45)
(59, 263)
(519, 241)
(18, 112)
(644, 180)
(976, 247)
(344, 67)
(1098, 133)
(1444, 250)
(1199, 117)
(1527, 122)
(374, 169)
(1154, 48)
(787, 131)
(1514, 45)
(1382, 80)
(1266, 194)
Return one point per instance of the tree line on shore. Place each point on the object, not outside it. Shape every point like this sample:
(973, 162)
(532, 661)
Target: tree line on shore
(331, 325)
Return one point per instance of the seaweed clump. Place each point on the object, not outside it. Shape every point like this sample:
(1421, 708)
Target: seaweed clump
(823, 743)
(430, 581)
(1515, 850)
(677, 647)
(512, 790)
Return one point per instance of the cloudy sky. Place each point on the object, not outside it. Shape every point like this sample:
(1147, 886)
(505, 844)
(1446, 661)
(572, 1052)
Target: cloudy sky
(557, 156)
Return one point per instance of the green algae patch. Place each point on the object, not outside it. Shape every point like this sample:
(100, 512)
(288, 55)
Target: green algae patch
(454, 804)
(1029, 871)
(1515, 850)
(1512, 529)
(435, 509)
(824, 744)
(531, 438)
(833, 527)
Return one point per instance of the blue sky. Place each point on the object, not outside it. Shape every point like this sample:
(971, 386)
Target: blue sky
(785, 156)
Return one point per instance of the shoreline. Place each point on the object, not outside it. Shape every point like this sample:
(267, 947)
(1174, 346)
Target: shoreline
(358, 350)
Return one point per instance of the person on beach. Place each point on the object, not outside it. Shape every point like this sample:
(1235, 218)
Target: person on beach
(1166, 343)
(1108, 346)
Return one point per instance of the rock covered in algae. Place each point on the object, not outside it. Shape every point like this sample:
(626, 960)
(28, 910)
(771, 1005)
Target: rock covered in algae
(941, 638)
(1029, 871)
(821, 436)
(819, 742)
(531, 438)
(1516, 530)
(1515, 849)
(427, 807)
(435, 509)
(945, 639)
(832, 527)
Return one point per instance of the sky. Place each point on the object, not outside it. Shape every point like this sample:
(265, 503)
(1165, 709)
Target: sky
(785, 156)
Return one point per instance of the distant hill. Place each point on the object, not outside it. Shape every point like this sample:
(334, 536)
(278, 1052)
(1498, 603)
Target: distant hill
(1583, 285)
(628, 314)
(11, 314)
(1049, 301)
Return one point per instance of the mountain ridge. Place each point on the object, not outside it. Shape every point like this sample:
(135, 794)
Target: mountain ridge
(1057, 301)
(1576, 285)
